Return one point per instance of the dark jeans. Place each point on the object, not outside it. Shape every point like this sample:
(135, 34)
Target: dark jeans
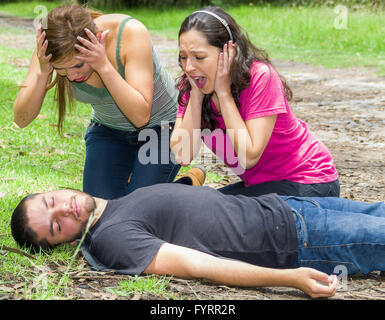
(336, 234)
(113, 157)
(285, 188)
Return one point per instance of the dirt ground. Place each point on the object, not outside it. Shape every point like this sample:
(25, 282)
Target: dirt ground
(345, 108)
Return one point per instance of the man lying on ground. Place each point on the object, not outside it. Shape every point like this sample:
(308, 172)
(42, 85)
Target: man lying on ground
(198, 232)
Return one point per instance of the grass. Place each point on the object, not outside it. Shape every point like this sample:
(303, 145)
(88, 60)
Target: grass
(28, 9)
(310, 35)
(36, 158)
(135, 285)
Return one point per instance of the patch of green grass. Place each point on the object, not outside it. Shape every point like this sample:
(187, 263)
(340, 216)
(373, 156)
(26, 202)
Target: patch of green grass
(310, 34)
(150, 284)
(211, 177)
(45, 287)
(29, 9)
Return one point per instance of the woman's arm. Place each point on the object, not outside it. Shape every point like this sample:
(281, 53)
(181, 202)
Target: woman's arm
(31, 96)
(191, 264)
(134, 94)
(185, 140)
(249, 139)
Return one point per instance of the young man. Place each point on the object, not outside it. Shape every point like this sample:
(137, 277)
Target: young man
(198, 232)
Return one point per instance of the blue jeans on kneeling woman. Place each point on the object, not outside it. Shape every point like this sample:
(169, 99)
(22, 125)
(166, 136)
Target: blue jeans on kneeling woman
(113, 166)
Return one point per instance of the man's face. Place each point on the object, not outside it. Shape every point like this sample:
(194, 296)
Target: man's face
(59, 216)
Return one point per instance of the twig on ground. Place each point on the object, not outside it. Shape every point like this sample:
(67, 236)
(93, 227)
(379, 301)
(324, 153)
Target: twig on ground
(193, 291)
(116, 277)
(14, 250)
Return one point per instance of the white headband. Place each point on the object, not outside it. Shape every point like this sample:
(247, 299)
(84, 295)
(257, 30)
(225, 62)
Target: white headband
(223, 21)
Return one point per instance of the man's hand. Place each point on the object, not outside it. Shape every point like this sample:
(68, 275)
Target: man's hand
(307, 280)
(192, 264)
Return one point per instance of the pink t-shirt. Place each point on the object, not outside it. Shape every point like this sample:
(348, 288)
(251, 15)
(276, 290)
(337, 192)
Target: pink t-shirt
(292, 153)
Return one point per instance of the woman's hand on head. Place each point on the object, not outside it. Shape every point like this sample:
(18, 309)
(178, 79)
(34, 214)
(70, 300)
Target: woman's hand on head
(225, 60)
(41, 49)
(93, 50)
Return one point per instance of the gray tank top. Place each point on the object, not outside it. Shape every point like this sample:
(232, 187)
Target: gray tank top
(105, 110)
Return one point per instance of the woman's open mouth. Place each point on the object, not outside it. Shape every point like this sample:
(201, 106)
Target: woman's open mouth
(200, 82)
(80, 79)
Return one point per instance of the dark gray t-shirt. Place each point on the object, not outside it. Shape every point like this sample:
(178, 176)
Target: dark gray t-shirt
(258, 230)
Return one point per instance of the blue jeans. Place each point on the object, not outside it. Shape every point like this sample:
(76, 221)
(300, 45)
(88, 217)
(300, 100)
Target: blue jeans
(339, 232)
(113, 157)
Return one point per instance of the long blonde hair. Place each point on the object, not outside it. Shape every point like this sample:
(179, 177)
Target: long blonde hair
(64, 25)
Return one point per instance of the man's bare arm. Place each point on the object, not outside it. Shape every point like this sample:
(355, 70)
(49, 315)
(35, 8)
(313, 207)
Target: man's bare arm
(192, 264)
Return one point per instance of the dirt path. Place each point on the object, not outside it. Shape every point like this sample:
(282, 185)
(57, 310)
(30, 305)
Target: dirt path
(345, 108)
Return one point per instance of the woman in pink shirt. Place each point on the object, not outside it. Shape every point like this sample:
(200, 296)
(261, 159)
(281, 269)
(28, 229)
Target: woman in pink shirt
(233, 99)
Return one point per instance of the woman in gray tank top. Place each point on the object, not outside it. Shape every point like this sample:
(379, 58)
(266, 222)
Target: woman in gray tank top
(109, 62)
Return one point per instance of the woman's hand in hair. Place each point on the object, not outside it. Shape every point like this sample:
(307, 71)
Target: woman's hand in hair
(225, 59)
(41, 48)
(93, 50)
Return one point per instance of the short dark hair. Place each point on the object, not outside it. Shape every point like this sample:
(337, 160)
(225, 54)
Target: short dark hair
(21, 232)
